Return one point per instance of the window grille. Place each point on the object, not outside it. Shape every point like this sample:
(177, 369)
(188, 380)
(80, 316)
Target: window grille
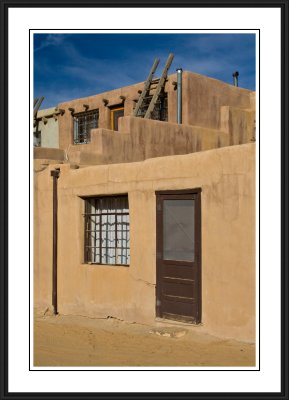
(83, 123)
(160, 112)
(107, 235)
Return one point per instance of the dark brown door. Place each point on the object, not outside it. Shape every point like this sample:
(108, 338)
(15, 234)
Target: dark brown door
(179, 255)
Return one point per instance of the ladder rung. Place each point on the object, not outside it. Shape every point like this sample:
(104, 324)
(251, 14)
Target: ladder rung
(160, 87)
(146, 85)
(157, 80)
(149, 96)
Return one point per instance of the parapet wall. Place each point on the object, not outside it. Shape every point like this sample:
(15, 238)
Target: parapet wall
(203, 99)
(139, 139)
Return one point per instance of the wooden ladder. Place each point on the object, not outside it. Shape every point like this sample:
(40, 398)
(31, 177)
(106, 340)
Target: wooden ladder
(147, 102)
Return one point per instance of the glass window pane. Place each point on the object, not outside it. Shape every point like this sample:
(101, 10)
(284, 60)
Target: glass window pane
(178, 230)
(83, 123)
(107, 230)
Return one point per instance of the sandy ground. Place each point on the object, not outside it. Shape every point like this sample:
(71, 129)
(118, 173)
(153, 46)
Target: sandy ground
(80, 341)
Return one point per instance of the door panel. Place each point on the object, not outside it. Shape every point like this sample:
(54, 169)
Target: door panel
(179, 255)
(178, 289)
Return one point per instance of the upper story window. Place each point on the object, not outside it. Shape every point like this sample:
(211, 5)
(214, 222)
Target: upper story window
(160, 112)
(83, 123)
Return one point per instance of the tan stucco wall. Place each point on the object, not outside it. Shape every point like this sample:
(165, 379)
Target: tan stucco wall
(239, 124)
(95, 102)
(139, 139)
(48, 153)
(202, 100)
(44, 156)
(227, 179)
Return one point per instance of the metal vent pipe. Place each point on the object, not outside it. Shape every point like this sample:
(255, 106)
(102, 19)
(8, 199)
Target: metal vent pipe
(179, 95)
(235, 77)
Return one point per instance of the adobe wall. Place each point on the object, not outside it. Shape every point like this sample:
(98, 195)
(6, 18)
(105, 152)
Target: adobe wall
(48, 153)
(227, 179)
(202, 100)
(139, 139)
(239, 124)
(96, 102)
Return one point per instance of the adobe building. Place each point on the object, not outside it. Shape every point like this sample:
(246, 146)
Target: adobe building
(151, 218)
(45, 126)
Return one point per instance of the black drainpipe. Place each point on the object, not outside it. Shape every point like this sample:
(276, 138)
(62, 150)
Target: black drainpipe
(55, 174)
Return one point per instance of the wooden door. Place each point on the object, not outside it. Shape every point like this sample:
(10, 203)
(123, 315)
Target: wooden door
(178, 294)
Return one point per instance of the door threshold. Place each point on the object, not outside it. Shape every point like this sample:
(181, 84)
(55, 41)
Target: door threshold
(173, 322)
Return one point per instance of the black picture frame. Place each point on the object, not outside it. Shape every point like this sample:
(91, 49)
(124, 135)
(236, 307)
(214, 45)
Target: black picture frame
(4, 225)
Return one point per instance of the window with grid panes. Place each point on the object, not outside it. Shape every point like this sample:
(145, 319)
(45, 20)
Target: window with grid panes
(107, 236)
(160, 112)
(83, 123)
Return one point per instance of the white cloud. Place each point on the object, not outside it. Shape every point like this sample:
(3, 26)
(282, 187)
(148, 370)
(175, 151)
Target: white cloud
(208, 55)
(51, 40)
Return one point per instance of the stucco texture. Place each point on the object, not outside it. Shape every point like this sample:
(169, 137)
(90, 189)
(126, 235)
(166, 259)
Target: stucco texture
(202, 99)
(227, 179)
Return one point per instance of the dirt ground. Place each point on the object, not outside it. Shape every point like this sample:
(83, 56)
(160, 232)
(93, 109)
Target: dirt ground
(80, 341)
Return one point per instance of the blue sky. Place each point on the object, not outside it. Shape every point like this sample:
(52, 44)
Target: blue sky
(75, 65)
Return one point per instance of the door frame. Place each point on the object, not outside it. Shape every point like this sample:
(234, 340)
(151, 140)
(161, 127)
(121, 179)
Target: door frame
(160, 196)
(113, 109)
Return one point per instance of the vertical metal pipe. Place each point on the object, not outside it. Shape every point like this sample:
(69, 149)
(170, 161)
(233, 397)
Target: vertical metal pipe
(55, 175)
(235, 76)
(179, 95)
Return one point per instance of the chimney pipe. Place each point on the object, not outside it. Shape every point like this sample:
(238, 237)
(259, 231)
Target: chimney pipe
(235, 76)
(179, 95)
